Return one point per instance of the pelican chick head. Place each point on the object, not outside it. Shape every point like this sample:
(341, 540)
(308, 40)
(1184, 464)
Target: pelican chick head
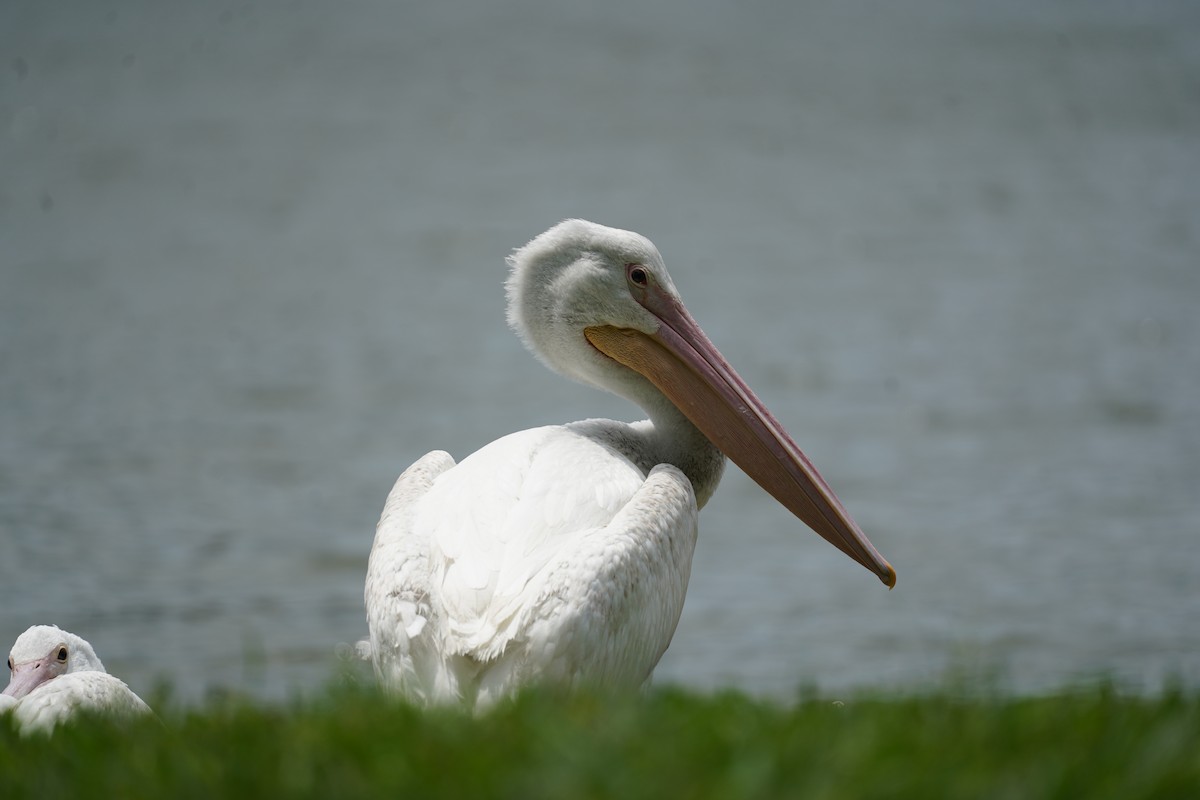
(42, 653)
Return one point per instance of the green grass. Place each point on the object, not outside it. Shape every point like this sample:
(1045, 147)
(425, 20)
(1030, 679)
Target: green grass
(350, 742)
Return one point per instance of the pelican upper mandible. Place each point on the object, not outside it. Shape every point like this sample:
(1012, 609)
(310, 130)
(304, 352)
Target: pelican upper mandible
(561, 554)
(55, 675)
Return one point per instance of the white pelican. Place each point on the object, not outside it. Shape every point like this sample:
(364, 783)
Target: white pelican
(561, 554)
(56, 674)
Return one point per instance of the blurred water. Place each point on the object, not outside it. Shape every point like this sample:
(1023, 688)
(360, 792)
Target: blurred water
(251, 259)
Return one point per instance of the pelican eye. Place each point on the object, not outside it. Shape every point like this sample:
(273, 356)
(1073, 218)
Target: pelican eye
(10, 665)
(637, 274)
(62, 654)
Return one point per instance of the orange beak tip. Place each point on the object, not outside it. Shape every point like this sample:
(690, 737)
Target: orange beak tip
(890, 579)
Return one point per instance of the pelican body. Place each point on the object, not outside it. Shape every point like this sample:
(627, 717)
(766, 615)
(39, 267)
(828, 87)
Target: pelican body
(562, 554)
(55, 675)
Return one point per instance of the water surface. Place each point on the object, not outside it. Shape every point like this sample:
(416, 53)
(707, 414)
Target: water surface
(251, 266)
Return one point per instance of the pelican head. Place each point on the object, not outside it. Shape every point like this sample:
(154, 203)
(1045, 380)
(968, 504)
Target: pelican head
(596, 304)
(44, 652)
(576, 276)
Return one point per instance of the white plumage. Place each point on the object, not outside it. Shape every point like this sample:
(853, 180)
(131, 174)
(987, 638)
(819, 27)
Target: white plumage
(562, 554)
(55, 675)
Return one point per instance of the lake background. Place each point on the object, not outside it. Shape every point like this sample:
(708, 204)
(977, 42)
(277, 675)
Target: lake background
(251, 267)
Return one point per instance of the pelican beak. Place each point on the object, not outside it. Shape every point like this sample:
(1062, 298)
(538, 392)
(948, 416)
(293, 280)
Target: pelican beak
(29, 675)
(685, 366)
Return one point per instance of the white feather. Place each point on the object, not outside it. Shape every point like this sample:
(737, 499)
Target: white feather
(531, 577)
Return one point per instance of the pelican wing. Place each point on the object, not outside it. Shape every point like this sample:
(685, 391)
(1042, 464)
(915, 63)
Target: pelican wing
(543, 555)
(397, 588)
(604, 609)
(502, 516)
